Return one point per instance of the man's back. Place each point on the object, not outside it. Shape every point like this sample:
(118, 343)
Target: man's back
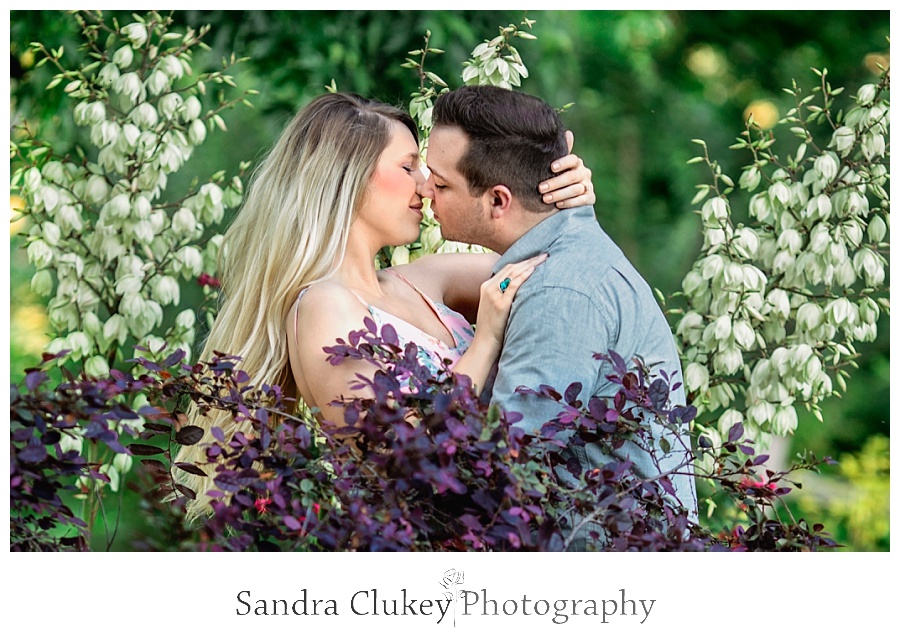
(586, 298)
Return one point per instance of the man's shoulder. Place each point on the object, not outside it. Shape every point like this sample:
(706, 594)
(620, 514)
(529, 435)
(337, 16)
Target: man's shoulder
(583, 238)
(585, 262)
(586, 258)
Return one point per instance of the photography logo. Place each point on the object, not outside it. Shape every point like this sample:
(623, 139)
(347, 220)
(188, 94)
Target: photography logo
(451, 582)
(619, 605)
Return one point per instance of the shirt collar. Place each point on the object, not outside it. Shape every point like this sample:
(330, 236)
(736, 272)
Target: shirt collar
(541, 236)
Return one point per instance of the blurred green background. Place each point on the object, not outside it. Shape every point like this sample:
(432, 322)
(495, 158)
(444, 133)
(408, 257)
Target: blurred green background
(643, 84)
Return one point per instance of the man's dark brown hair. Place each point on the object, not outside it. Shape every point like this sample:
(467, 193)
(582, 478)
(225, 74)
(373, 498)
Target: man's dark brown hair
(513, 138)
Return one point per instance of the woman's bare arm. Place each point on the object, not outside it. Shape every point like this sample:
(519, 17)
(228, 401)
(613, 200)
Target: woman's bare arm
(325, 313)
(329, 311)
(454, 278)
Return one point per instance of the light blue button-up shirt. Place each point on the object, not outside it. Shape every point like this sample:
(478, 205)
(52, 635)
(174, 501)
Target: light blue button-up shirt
(585, 298)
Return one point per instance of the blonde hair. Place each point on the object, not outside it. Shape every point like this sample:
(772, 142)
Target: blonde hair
(291, 231)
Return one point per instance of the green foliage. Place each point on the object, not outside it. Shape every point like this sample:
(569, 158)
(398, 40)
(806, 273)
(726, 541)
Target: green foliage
(108, 246)
(297, 53)
(855, 503)
(642, 82)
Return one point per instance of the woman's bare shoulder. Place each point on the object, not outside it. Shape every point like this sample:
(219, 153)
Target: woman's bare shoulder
(326, 293)
(328, 307)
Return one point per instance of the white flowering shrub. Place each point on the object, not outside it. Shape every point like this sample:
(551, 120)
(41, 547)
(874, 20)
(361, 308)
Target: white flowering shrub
(776, 302)
(783, 292)
(110, 248)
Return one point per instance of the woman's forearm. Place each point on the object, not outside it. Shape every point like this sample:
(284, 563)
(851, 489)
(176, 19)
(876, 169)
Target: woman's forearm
(478, 360)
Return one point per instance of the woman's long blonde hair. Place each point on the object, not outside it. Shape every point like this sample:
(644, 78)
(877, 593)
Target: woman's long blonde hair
(291, 231)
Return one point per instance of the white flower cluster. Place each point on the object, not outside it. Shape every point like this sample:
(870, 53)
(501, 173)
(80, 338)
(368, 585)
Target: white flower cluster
(775, 306)
(491, 66)
(496, 62)
(116, 255)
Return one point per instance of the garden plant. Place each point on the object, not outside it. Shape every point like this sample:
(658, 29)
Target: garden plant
(768, 320)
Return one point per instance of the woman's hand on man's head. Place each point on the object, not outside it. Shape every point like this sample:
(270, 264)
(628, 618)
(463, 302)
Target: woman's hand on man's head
(572, 186)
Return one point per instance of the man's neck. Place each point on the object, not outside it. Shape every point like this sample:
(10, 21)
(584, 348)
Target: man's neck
(519, 225)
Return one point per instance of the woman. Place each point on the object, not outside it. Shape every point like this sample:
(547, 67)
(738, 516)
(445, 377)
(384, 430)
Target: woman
(343, 181)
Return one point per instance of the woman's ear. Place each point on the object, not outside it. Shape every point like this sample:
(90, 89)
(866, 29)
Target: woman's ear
(500, 201)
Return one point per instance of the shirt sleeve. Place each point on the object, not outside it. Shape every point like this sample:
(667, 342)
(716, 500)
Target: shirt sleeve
(551, 338)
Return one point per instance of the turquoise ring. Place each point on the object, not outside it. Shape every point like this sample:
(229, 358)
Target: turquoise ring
(504, 284)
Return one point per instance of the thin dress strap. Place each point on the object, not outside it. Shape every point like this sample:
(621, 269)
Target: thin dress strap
(442, 317)
(402, 278)
(297, 313)
(303, 292)
(427, 299)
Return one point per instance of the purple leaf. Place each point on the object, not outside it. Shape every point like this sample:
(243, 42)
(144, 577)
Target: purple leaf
(35, 379)
(144, 449)
(187, 491)
(33, 453)
(390, 335)
(735, 432)
(572, 392)
(666, 484)
(188, 435)
(190, 468)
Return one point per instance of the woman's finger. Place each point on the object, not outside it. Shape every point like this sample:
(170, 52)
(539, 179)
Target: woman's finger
(510, 285)
(514, 268)
(515, 274)
(573, 187)
(567, 192)
(577, 179)
(564, 164)
(569, 200)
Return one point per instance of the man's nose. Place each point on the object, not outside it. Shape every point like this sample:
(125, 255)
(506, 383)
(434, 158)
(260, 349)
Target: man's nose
(426, 189)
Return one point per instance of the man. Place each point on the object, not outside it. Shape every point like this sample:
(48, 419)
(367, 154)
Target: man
(488, 149)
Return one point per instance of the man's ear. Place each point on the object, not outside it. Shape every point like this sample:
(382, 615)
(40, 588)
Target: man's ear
(499, 201)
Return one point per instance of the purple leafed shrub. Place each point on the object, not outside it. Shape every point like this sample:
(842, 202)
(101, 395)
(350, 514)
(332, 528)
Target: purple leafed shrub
(420, 465)
(43, 467)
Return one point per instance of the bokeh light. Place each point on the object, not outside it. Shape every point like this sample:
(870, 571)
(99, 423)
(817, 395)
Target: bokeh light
(875, 62)
(30, 328)
(705, 62)
(765, 113)
(16, 220)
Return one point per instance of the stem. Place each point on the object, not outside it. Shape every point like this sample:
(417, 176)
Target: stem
(91, 500)
(421, 68)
